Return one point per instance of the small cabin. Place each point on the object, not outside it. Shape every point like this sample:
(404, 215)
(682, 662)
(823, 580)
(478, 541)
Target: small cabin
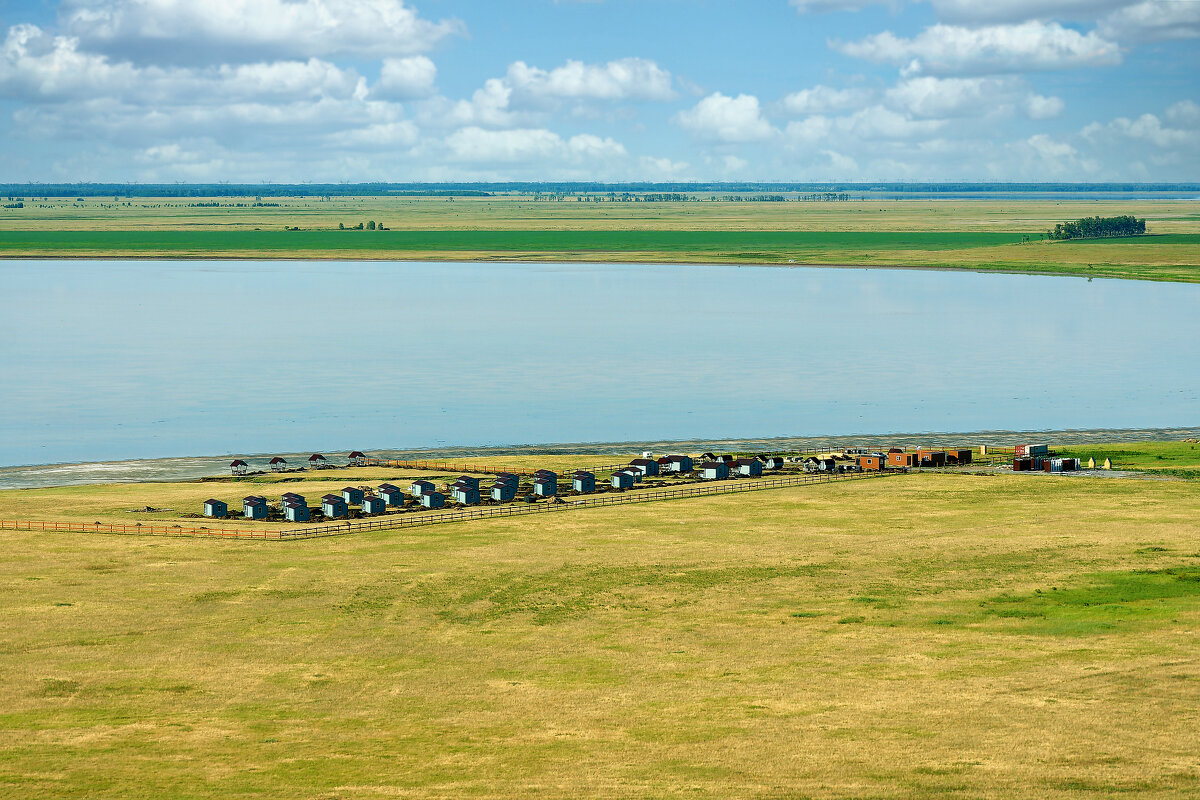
(748, 467)
(622, 480)
(465, 494)
(708, 456)
(418, 488)
(509, 477)
(357, 458)
(901, 459)
(772, 462)
(467, 480)
(254, 507)
(278, 464)
(1091, 463)
(352, 495)
(714, 470)
(292, 497)
(216, 509)
(296, 512)
(503, 491)
(373, 505)
(545, 487)
(726, 459)
(333, 506)
(931, 458)
(958, 455)
(238, 467)
(1108, 464)
(432, 499)
(871, 462)
(316, 461)
(679, 464)
(583, 481)
(646, 466)
(391, 494)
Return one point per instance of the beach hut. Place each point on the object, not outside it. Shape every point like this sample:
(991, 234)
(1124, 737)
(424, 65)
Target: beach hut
(1108, 464)
(1091, 463)
(713, 470)
(278, 464)
(509, 477)
(432, 499)
(748, 467)
(295, 511)
(583, 481)
(292, 497)
(772, 462)
(680, 464)
(352, 495)
(333, 506)
(418, 488)
(391, 494)
(373, 505)
(622, 480)
(254, 507)
(545, 486)
(467, 480)
(872, 461)
(316, 461)
(503, 491)
(646, 466)
(726, 459)
(215, 508)
(238, 467)
(357, 459)
(465, 492)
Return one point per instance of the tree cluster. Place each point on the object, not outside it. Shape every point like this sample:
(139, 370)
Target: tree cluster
(1098, 227)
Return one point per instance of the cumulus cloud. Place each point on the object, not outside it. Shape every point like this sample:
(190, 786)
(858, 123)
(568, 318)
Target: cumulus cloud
(946, 98)
(406, 78)
(1038, 106)
(186, 31)
(1153, 20)
(949, 49)
(726, 119)
(823, 99)
(625, 79)
(528, 145)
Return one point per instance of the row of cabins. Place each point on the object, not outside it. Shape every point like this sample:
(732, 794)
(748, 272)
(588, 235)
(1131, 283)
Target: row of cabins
(280, 464)
(295, 507)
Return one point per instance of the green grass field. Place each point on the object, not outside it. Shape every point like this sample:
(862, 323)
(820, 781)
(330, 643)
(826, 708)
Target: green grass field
(981, 235)
(925, 636)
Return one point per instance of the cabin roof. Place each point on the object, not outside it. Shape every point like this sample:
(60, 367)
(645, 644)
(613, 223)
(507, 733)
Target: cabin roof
(214, 502)
(356, 454)
(278, 460)
(333, 498)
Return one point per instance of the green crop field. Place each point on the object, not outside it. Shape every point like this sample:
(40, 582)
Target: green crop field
(987, 235)
(981, 636)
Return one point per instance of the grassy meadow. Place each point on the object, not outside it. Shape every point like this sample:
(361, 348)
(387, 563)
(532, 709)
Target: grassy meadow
(986, 235)
(981, 636)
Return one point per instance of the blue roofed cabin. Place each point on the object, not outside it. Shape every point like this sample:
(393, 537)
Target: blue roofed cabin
(714, 470)
(333, 506)
(391, 494)
(503, 491)
(373, 505)
(583, 481)
(646, 466)
(418, 488)
(748, 467)
(216, 509)
(352, 495)
(432, 499)
(622, 479)
(294, 511)
(254, 507)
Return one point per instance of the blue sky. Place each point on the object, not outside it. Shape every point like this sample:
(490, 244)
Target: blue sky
(806, 90)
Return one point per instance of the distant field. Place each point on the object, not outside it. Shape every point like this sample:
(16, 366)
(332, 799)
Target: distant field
(979, 235)
(924, 636)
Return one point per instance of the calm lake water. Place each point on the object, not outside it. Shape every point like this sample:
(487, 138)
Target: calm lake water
(114, 360)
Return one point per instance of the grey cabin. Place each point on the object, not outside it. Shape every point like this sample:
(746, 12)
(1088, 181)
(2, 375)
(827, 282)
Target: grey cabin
(545, 487)
(583, 481)
(296, 512)
(622, 480)
(503, 491)
(373, 505)
(215, 508)
(352, 495)
(254, 507)
(432, 499)
(464, 493)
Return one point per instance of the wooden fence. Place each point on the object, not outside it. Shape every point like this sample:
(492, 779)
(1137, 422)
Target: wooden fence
(419, 519)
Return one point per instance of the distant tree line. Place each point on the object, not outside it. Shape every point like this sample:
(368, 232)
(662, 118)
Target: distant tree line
(1098, 227)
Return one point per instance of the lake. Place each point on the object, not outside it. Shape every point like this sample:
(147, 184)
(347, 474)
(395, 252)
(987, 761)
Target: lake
(113, 360)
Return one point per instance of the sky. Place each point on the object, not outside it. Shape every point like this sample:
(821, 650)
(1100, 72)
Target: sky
(607, 90)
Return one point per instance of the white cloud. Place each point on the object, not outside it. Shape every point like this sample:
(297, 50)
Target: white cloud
(878, 122)
(1146, 129)
(187, 31)
(1153, 20)
(948, 97)
(824, 99)
(661, 167)
(726, 119)
(626, 79)
(1185, 113)
(949, 49)
(406, 78)
(528, 145)
(1038, 106)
